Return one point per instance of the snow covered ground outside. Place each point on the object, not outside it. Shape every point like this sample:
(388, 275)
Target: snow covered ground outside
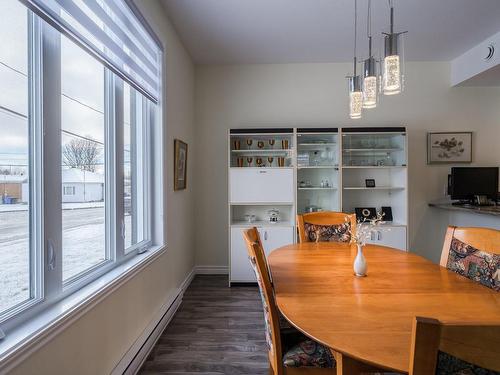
(65, 206)
(83, 247)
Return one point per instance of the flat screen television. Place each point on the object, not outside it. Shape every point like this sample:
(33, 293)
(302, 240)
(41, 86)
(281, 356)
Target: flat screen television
(468, 182)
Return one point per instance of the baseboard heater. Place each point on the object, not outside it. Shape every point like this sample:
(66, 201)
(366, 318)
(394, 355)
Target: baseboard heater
(131, 363)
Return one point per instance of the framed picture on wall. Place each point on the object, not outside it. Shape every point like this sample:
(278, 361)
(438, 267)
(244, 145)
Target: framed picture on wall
(449, 147)
(180, 164)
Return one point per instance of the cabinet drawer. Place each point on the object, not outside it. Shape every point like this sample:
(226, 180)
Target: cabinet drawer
(391, 236)
(263, 185)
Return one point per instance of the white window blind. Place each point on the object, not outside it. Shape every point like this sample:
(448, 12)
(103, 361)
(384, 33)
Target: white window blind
(110, 30)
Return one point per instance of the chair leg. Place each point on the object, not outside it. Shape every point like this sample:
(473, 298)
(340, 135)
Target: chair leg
(350, 366)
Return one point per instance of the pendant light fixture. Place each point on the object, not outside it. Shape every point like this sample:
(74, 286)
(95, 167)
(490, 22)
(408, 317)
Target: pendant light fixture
(355, 92)
(393, 63)
(370, 76)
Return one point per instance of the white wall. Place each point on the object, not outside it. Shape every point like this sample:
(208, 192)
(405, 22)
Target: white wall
(98, 340)
(234, 96)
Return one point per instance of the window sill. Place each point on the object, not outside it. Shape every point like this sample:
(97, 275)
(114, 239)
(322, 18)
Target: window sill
(31, 335)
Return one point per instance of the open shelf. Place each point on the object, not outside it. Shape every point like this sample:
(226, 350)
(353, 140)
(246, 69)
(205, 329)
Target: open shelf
(261, 215)
(261, 223)
(261, 203)
(321, 145)
(263, 151)
(371, 149)
(317, 188)
(373, 188)
(286, 167)
(318, 167)
(373, 166)
(389, 224)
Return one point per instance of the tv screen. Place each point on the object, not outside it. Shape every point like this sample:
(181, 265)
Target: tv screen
(466, 182)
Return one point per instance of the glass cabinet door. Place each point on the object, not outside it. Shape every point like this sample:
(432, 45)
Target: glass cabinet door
(273, 150)
(373, 149)
(317, 149)
(317, 170)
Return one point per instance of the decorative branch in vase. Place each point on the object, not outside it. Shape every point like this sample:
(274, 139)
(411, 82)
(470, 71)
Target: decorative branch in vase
(364, 231)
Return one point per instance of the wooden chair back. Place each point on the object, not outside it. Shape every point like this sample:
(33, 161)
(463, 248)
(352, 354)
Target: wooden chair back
(259, 263)
(323, 218)
(484, 239)
(475, 344)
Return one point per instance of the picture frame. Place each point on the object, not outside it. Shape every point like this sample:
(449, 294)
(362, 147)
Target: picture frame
(180, 164)
(449, 147)
(370, 182)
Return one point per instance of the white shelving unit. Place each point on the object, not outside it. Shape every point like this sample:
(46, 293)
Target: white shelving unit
(261, 178)
(378, 154)
(295, 170)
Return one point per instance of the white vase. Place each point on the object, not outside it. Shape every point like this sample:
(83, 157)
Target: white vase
(360, 266)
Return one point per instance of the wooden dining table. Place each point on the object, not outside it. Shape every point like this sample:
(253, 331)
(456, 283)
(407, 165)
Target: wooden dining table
(368, 320)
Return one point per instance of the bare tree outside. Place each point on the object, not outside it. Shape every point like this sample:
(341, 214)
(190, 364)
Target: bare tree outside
(82, 153)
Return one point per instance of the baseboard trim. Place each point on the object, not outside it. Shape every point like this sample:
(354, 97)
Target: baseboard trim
(132, 361)
(187, 281)
(212, 270)
(135, 357)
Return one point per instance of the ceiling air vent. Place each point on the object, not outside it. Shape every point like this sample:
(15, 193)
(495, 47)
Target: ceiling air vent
(490, 52)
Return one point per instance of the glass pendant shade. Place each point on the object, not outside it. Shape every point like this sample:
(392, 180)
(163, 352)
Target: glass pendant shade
(393, 64)
(355, 97)
(370, 83)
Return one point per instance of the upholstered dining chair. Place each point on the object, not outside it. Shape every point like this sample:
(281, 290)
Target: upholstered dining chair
(285, 358)
(326, 226)
(473, 253)
(454, 349)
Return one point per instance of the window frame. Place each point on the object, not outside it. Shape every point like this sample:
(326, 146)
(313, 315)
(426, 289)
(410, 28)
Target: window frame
(80, 279)
(146, 159)
(35, 161)
(47, 286)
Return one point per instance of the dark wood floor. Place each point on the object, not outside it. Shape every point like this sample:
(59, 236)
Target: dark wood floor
(217, 330)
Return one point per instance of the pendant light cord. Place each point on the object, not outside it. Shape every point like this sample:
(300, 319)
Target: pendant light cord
(355, 31)
(369, 20)
(369, 28)
(391, 7)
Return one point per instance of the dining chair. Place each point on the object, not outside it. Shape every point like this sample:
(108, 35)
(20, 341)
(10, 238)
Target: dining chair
(473, 253)
(454, 348)
(326, 226)
(285, 358)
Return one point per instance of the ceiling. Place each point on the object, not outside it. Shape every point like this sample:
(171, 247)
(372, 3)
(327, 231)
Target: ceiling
(288, 31)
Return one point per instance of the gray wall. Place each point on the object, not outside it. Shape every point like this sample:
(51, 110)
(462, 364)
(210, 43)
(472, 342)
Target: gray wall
(231, 96)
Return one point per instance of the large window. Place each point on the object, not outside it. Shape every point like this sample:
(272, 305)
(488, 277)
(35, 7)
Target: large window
(15, 250)
(83, 138)
(78, 131)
